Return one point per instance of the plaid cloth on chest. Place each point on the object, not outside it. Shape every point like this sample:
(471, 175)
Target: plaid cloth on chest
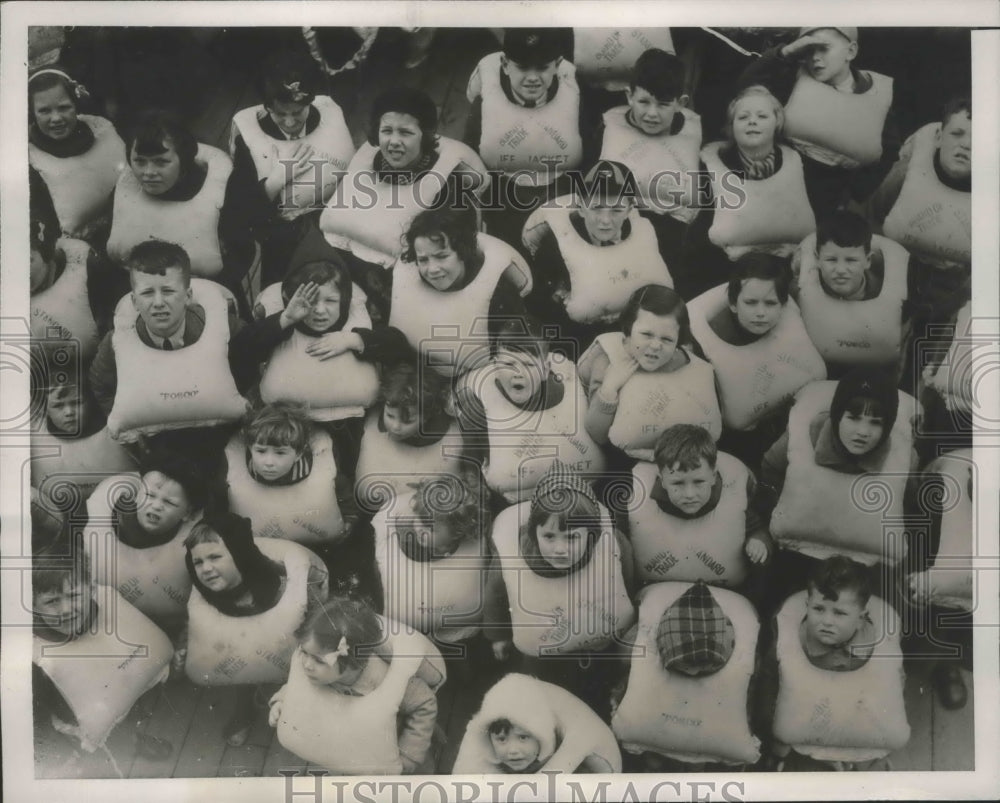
(695, 636)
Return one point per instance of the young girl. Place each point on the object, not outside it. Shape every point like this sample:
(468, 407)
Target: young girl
(649, 376)
(360, 694)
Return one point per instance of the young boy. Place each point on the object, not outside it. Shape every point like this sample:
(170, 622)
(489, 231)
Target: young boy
(67, 413)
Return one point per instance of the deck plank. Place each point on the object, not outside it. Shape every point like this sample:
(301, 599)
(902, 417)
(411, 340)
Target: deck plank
(278, 758)
(172, 718)
(918, 696)
(204, 746)
(954, 733)
(246, 761)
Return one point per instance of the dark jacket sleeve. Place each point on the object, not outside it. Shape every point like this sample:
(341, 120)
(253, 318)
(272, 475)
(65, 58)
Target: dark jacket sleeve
(384, 345)
(104, 375)
(474, 125)
(257, 207)
(234, 228)
(866, 180)
(772, 70)
(765, 684)
(496, 605)
(251, 346)
(628, 564)
(549, 274)
(471, 417)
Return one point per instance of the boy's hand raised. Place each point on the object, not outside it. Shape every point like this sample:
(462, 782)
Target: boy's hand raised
(800, 46)
(300, 304)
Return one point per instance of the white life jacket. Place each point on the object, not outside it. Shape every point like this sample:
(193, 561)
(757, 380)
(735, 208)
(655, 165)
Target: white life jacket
(81, 186)
(954, 377)
(605, 57)
(102, 673)
(650, 402)
(524, 444)
(580, 612)
(602, 278)
(340, 387)
(189, 387)
(692, 719)
(155, 580)
(369, 217)
(823, 512)
(332, 145)
(840, 716)
(449, 329)
(193, 224)
(663, 165)
(63, 310)
(348, 734)
(524, 142)
(929, 219)
(708, 547)
(855, 332)
(768, 215)
(306, 511)
(838, 128)
(235, 650)
(955, 587)
(74, 466)
(441, 598)
(756, 378)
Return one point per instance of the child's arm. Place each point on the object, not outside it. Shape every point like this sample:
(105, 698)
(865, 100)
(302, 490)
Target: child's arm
(765, 683)
(274, 706)
(471, 416)
(628, 563)
(759, 545)
(772, 475)
(885, 196)
(865, 180)
(777, 68)
(417, 717)
(260, 200)
(496, 611)
(103, 375)
(606, 381)
(474, 123)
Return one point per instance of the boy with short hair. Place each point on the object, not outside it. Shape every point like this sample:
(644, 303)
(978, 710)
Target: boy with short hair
(277, 444)
(844, 254)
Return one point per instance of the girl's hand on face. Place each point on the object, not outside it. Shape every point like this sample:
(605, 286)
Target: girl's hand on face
(618, 373)
(333, 344)
(301, 303)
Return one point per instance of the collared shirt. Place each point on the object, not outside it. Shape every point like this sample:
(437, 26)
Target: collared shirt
(852, 654)
(176, 339)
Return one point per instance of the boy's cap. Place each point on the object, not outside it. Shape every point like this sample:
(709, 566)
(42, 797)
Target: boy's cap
(556, 482)
(608, 178)
(695, 636)
(851, 34)
(532, 46)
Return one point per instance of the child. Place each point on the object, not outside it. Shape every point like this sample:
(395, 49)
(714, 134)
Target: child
(360, 694)
(525, 726)
(648, 377)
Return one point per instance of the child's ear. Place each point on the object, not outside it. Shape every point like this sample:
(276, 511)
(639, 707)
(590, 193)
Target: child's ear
(628, 94)
(503, 63)
(449, 405)
(683, 101)
(188, 296)
(852, 51)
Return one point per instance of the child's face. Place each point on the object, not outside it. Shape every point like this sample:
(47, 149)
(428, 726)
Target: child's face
(162, 504)
(438, 265)
(161, 301)
(399, 137)
(843, 267)
(289, 117)
(323, 667)
(55, 112)
(272, 462)
(754, 122)
(860, 433)
(833, 622)
(158, 173)
(437, 537)
(214, 566)
(652, 341)
(688, 489)
(516, 749)
(561, 548)
(830, 61)
(519, 374)
(67, 609)
(652, 115)
(530, 82)
(65, 411)
(757, 308)
(604, 217)
(955, 144)
(400, 423)
(326, 311)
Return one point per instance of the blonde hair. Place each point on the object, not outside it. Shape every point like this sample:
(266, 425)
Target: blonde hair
(759, 91)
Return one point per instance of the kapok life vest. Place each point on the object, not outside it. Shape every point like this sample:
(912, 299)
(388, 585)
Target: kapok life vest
(340, 387)
(348, 734)
(188, 387)
(192, 224)
(838, 128)
(331, 143)
(692, 719)
(955, 587)
(663, 165)
(758, 215)
(450, 329)
(369, 217)
(155, 580)
(386, 467)
(840, 716)
(81, 186)
(62, 312)
(306, 511)
(440, 598)
(954, 377)
(525, 443)
(929, 219)
(234, 650)
(603, 278)
(855, 332)
(74, 466)
(650, 402)
(759, 377)
(580, 612)
(708, 547)
(534, 146)
(823, 512)
(605, 57)
(102, 673)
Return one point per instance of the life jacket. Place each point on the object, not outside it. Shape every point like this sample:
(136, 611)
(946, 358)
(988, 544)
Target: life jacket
(929, 219)
(708, 547)
(235, 650)
(602, 279)
(340, 387)
(306, 511)
(81, 186)
(580, 612)
(838, 128)
(605, 57)
(192, 224)
(347, 734)
(662, 165)
(691, 719)
(955, 587)
(767, 215)
(823, 512)
(330, 140)
(74, 465)
(62, 311)
(449, 329)
(840, 716)
(650, 402)
(155, 580)
(759, 377)
(104, 672)
(525, 143)
(855, 332)
(953, 379)
(189, 387)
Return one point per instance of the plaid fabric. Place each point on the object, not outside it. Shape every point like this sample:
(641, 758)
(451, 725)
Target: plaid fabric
(695, 636)
(552, 489)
